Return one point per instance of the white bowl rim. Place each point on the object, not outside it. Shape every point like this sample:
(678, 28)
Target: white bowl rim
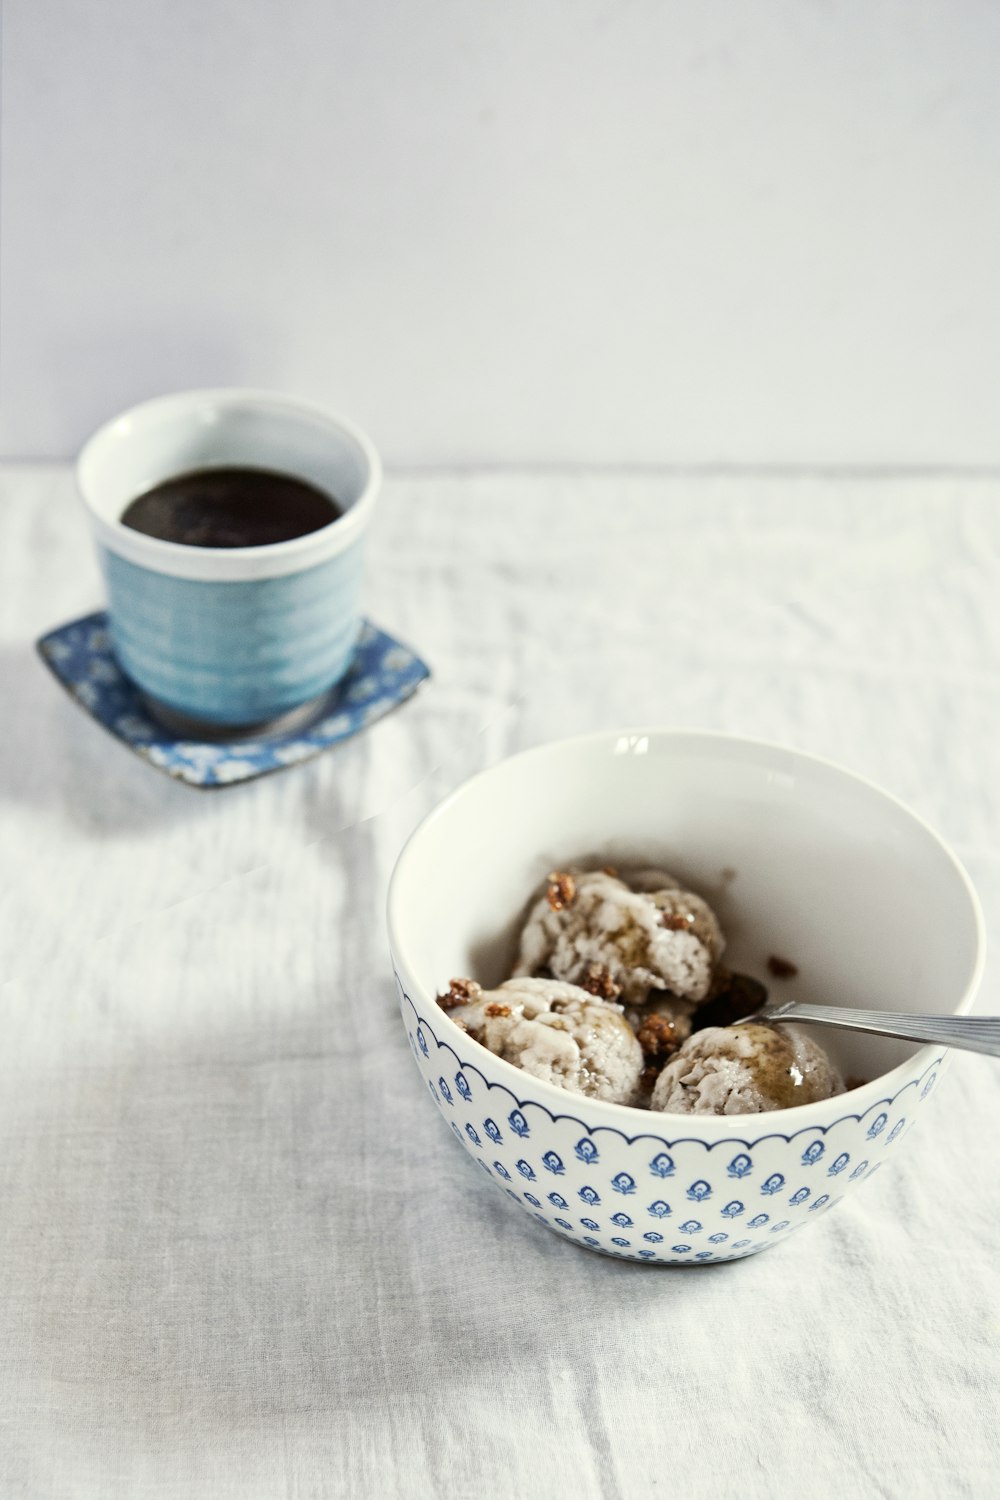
(882, 1088)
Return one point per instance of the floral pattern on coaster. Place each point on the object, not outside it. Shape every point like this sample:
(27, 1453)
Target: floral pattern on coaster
(383, 675)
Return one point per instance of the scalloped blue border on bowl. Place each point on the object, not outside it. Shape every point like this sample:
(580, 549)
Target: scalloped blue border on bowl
(727, 1143)
(383, 675)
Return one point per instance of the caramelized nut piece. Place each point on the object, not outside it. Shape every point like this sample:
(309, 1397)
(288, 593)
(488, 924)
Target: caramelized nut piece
(494, 1009)
(677, 921)
(596, 980)
(658, 1036)
(562, 890)
(459, 992)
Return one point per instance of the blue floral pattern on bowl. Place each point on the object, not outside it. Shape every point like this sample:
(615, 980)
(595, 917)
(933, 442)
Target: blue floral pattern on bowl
(384, 673)
(610, 1183)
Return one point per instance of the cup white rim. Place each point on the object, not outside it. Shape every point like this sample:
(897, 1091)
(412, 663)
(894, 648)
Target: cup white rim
(629, 1119)
(229, 564)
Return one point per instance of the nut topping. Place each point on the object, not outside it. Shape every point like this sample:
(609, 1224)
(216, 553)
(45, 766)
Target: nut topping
(562, 890)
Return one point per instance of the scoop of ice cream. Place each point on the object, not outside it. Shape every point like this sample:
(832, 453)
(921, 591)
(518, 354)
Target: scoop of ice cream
(742, 1070)
(594, 930)
(560, 1033)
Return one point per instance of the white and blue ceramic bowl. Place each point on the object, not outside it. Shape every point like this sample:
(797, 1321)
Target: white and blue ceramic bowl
(800, 859)
(231, 637)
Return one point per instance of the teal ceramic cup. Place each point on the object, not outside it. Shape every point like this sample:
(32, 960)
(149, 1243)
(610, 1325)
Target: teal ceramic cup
(231, 638)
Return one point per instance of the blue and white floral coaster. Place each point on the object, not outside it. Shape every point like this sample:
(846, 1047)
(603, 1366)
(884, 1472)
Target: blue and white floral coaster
(384, 674)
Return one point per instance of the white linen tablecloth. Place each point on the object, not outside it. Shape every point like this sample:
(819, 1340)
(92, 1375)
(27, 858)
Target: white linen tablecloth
(240, 1254)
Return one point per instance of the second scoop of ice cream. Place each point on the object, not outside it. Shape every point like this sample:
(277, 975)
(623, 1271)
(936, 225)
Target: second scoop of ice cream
(738, 1070)
(622, 939)
(558, 1032)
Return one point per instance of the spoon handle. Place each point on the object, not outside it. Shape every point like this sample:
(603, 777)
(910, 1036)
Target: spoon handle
(971, 1033)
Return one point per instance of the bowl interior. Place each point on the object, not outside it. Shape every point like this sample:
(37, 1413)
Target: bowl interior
(798, 858)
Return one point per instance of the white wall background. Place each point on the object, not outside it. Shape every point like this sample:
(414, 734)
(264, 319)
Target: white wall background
(510, 231)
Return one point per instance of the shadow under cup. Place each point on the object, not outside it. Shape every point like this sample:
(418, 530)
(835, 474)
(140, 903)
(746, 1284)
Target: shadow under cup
(240, 638)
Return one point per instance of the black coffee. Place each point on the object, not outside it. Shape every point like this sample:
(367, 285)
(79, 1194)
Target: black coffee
(230, 508)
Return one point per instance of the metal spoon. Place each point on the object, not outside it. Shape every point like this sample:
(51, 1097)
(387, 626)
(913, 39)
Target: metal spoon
(971, 1033)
